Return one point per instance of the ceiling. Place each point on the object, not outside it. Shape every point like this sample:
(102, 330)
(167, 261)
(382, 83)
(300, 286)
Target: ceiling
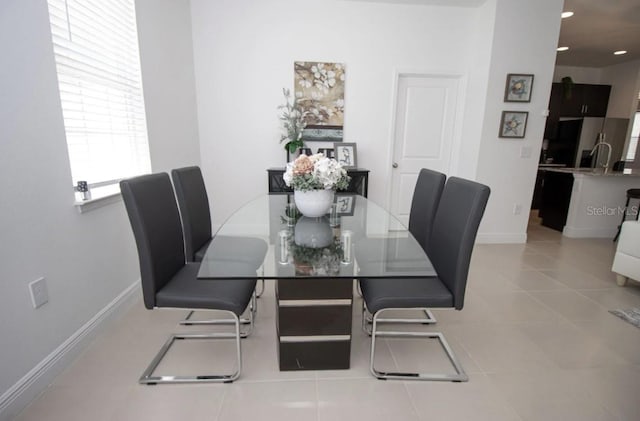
(597, 29)
(458, 3)
(593, 33)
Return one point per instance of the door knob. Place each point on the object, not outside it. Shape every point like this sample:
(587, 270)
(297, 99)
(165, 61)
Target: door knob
(395, 165)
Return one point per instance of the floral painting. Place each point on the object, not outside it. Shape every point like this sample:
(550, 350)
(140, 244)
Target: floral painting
(513, 124)
(319, 89)
(518, 88)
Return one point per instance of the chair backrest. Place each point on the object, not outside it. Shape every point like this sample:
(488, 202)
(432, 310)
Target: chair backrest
(454, 233)
(155, 221)
(194, 208)
(426, 197)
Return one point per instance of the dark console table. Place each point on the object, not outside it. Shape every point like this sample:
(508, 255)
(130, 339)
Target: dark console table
(359, 183)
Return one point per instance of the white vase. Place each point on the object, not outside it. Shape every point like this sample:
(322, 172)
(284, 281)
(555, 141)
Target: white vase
(312, 232)
(313, 203)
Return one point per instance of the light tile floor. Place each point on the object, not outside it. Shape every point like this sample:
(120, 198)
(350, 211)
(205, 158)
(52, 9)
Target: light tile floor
(535, 338)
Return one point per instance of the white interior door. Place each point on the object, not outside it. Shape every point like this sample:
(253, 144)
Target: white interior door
(423, 135)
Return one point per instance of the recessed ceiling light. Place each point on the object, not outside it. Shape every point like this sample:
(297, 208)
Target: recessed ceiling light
(562, 48)
(566, 14)
(619, 53)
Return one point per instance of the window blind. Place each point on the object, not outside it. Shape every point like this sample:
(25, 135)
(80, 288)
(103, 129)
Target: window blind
(96, 50)
(635, 135)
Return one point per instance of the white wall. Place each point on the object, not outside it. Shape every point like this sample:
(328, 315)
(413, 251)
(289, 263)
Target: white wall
(166, 58)
(479, 66)
(244, 54)
(624, 79)
(623, 102)
(590, 75)
(87, 259)
(519, 46)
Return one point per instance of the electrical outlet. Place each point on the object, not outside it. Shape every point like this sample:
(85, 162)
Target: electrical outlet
(39, 292)
(517, 209)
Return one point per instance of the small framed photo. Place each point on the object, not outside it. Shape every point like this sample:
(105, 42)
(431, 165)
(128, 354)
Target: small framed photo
(518, 88)
(513, 124)
(345, 154)
(346, 203)
(328, 152)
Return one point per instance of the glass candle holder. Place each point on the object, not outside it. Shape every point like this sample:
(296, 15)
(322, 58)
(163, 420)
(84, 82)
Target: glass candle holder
(345, 243)
(283, 237)
(291, 213)
(334, 218)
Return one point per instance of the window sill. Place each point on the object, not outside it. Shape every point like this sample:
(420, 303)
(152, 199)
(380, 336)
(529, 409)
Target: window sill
(85, 206)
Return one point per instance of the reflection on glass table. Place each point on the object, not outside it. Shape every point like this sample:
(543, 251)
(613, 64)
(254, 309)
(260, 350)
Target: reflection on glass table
(313, 249)
(377, 244)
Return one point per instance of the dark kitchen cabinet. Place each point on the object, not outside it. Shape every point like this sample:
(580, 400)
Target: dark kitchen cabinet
(555, 199)
(537, 190)
(584, 100)
(566, 104)
(596, 100)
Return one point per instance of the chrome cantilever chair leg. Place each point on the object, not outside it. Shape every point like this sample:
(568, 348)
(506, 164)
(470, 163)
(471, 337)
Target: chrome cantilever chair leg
(253, 309)
(460, 375)
(259, 294)
(367, 319)
(358, 290)
(149, 379)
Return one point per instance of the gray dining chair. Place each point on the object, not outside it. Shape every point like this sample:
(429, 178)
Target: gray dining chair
(450, 246)
(424, 203)
(193, 203)
(168, 281)
(195, 213)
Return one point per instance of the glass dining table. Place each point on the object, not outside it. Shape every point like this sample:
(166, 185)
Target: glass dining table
(313, 262)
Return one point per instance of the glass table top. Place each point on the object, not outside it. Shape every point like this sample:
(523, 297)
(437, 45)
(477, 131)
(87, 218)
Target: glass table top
(267, 239)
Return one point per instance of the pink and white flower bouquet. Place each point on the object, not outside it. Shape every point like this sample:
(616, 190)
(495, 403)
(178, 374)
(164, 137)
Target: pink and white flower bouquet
(316, 172)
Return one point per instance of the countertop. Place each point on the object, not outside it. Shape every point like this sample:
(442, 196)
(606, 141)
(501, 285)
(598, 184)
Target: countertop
(551, 165)
(599, 172)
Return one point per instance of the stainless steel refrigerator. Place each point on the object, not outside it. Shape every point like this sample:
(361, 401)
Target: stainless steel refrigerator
(577, 136)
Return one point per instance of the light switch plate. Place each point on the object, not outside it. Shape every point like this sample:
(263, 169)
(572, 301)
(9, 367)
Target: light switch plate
(517, 208)
(525, 152)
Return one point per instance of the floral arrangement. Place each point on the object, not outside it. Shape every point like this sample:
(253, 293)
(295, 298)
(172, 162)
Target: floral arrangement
(317, 261)
(316, 172)
(293, 122)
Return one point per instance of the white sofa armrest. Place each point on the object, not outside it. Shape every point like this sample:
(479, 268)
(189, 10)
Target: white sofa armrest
(626, 262)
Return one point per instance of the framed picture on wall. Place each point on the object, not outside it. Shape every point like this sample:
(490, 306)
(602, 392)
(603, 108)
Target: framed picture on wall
(319, 89)
(518, 88)
(345, 204)
(513, 124)
(345, 154)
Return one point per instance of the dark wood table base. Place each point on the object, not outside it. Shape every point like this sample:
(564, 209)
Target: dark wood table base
(314, 323)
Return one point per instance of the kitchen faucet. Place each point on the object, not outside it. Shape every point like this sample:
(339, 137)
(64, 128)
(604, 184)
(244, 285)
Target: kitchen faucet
(601, 142)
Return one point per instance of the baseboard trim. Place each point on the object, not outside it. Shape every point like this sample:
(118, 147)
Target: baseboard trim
(38, 378)
(501, 238)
